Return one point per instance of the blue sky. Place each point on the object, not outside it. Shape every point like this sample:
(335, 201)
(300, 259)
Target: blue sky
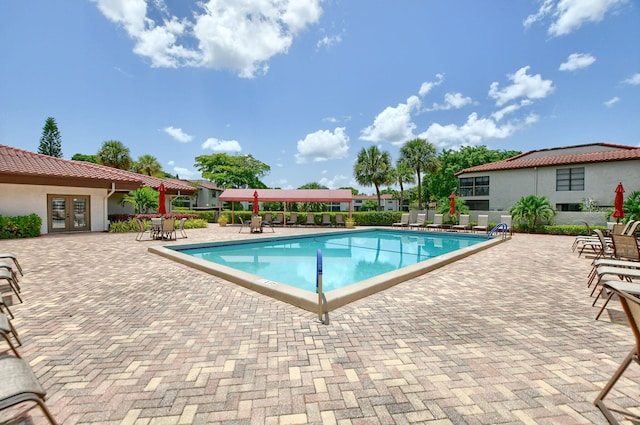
(303, 85)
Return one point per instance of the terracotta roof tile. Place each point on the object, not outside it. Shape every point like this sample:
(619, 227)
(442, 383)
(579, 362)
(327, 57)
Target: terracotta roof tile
(16, 163)
(624, 153)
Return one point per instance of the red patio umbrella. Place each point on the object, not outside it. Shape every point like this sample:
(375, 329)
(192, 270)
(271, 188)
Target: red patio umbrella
(452, 203)
(162, 209)
(255, 203)
(618, 212)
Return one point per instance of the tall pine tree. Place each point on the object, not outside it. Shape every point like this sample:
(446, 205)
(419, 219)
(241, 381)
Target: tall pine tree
(50, 142)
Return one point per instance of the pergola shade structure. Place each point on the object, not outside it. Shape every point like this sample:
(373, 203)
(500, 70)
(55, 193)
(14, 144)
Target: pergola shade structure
(288, 195)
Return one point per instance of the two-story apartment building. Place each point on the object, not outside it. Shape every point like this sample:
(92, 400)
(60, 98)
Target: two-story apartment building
(567, 176)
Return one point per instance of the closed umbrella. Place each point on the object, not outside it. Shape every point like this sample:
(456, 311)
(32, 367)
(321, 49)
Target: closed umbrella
(452, 204)
(618, 212)
(162, 209)
(255, 203)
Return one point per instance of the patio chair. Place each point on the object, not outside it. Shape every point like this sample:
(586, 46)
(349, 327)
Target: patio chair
(7, 265)
(156, 227)
(463, 224)
(183, 233)
(268, 219)
(19, 385)
(631, 230)
(142, 230)
(438, 220)
(340, 220)
(601, 246)
(11, 282)
(631, 306)
(326, 220)
(404, 221)
(590, 236)
(483, 223)
(420, 219)
(244, 225)
(4, 307)
(169, 229)
(293, 219)
(6, 330)
(9, 255)
(311, 219)
(279, 220)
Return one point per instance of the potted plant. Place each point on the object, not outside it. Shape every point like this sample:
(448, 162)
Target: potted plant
(350, 223)
(223, 220)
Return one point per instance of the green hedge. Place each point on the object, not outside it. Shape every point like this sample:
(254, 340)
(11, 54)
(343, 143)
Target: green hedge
(128, 226)
(22, 226)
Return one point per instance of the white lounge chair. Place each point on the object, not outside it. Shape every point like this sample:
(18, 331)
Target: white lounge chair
(404, 221)
(438, 220)
(419, 221)
(463, 224)
(483, 223)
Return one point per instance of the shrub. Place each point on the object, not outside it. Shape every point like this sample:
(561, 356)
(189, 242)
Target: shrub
(130, 225)
(22, 226)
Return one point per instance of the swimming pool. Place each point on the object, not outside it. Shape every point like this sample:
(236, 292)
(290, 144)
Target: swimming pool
(356, 263)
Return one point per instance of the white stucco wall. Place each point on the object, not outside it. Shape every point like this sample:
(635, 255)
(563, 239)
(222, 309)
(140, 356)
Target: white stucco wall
(22, 199)
(600, 181)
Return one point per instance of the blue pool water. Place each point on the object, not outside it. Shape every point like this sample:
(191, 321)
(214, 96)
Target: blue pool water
(347, 257)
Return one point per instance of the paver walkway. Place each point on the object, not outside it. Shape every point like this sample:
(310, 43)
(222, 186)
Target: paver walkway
(121, 336)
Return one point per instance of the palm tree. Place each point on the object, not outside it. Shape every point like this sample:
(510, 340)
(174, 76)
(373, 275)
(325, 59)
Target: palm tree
(114, 154)
(403, 174)
(420, 155)
(373, 167)
(148, 165)
(531, 209)
(142, 199)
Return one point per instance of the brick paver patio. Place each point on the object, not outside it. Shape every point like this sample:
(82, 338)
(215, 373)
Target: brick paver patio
(117, 335)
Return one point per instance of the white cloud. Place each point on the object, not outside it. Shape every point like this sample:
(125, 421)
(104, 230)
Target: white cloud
(634, 79)
(335, 182)
(178, 134)
(393, 125)
(577, 61)
(524, 85)
(241, 35)
(509, 109)
(452, 101)
(222, 145)
(426, 87)
(569, 15)
(474, 131)
(323, 145)
(184, 172)
(609, 103)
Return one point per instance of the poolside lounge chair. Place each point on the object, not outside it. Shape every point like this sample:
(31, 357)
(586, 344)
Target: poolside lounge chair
(7, 265)
(256, 224)
(632, 228)
(268, 219)
(404, 221)
(326, 220)
(19, 385)
(279, 220)
(483, 223)
(340, 220)
(311, 219)
(437, 222)
(6, 330)
(293, 219)
(11, 282)
(13, 257)
(631, 306)
(506, 219)
(244, 225)
(625, 248)
(420, 219)
(463, 224)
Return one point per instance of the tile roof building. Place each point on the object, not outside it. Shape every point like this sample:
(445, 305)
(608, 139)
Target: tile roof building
(69, 195)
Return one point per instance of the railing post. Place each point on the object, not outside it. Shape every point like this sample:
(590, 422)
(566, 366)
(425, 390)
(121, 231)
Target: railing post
(319, 287)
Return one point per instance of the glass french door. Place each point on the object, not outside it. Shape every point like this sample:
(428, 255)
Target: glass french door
(68, 213)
